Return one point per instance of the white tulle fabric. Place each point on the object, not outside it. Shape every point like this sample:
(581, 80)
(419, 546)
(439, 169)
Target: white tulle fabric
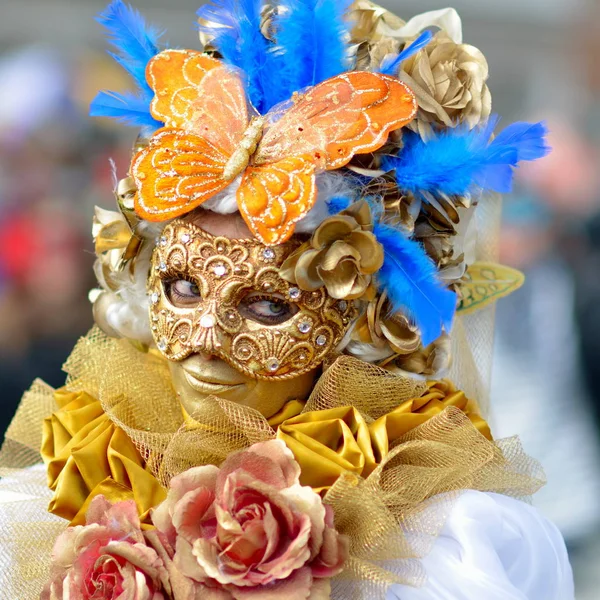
(493, 547)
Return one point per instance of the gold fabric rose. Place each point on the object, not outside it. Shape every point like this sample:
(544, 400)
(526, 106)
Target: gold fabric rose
(342, 255)
(381, 327)
(449, 80)
(388, 429)
(328, 443)
(428, 361)
(87, 455)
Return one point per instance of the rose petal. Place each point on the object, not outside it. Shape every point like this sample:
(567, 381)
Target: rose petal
(337, 252)
(296, 587)
(186, 561)
(278, 452)
(332, 229)
(188, 481)
(271, 463)
(192, 511)
(307, 276)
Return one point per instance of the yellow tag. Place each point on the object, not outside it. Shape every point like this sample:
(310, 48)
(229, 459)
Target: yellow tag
(485, 283)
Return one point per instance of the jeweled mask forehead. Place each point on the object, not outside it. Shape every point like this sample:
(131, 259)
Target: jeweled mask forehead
(226, 271)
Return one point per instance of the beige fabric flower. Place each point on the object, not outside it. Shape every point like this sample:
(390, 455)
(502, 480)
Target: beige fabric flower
(430, 361)
(342, 255)
(449, 80)
(379, 326)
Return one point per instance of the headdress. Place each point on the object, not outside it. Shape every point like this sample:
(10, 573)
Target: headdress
(294, 112)
(361, 154)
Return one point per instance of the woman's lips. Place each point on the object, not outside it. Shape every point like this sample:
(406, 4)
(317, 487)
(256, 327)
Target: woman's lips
(208, 387)
(211, 377)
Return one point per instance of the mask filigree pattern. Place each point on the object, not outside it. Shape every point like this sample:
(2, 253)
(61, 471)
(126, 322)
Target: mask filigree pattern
(225, 271)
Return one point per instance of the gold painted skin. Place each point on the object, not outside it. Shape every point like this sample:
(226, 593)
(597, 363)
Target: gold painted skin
(199, 377)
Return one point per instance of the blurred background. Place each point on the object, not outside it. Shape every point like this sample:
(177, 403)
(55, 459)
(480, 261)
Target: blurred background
(543, 58)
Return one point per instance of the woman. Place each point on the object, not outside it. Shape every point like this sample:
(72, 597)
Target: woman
(292, 266)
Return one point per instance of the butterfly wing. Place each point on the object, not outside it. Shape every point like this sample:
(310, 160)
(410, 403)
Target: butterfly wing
(199, 94)
(175, 173)
(350, 114)
(204, 108)
(321, 129)
(272, 198)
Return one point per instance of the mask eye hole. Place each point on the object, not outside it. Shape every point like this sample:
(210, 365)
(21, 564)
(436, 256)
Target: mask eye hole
(269, 309)
(182, 293)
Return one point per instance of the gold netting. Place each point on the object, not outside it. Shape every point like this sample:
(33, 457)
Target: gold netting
(27, 531)
(392, 517)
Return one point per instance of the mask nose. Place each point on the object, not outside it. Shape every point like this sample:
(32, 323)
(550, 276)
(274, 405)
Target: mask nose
(207, 340)
(206, 357)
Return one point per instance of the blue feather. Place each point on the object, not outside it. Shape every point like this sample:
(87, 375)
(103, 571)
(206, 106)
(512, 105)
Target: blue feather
(235, 26)
(126, 108)
(337, 204)
(311, 42)
(390, 66)
(409, 278)
(135, 43)
(461, 161)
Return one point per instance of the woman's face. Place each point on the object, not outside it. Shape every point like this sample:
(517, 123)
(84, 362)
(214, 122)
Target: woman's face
(203, 374)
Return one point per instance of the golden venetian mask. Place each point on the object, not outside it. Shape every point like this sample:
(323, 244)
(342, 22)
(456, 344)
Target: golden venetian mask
(225, 297)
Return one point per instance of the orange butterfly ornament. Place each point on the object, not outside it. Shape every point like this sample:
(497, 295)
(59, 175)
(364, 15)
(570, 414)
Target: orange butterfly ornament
(212, 138)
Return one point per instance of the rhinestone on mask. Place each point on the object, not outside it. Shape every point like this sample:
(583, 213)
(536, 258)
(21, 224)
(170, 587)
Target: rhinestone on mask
(294, 293)
(185, 238)
(272, 364)
(304, 326)
(207, 321)
(154, 297)
(220, 270)
(162, 344)
(321, 340)
(268, 254)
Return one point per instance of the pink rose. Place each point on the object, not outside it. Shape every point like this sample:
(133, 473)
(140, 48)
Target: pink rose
(107, 558)
(250, 530)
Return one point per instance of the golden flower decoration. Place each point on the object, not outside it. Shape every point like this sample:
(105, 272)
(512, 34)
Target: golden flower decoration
(342, 255)
(87, 455)
(328, 443)
(117, 247)
(449, 80)
(429, 361)
(381, 327)
(116, 244)
(372, 46)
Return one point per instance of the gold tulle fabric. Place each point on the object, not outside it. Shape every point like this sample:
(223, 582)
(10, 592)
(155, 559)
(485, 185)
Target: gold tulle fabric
(329, 443)
(420, 445)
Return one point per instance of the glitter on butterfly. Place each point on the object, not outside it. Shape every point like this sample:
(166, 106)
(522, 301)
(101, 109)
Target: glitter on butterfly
(212, 136)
